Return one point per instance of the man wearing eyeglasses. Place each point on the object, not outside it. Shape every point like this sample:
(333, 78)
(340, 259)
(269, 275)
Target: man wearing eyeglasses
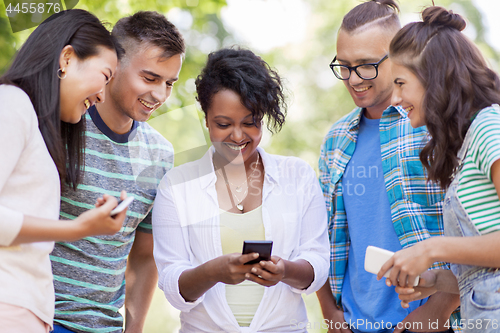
(375, 186)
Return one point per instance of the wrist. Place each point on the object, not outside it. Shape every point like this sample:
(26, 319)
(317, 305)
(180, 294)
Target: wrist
(76, 229)
(210, 271)
(434, 248)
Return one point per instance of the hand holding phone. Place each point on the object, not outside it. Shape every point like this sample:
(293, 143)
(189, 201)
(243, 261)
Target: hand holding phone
(376, 257)
(262, 247)
(122, 205)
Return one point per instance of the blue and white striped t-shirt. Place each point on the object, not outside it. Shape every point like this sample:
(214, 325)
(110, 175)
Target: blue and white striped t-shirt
(89, 274)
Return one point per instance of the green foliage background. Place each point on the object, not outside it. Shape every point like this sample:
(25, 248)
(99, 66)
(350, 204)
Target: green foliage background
(313, 107)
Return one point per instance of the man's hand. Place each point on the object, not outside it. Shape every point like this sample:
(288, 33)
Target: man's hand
(334, 316)
(437, 309)
(425, 288)
(336, 322)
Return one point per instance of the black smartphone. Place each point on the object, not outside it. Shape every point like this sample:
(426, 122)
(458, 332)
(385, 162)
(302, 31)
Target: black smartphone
(262, 247)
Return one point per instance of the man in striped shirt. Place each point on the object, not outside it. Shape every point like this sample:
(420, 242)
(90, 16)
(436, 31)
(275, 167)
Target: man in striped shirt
(374, 185)
(122, 153)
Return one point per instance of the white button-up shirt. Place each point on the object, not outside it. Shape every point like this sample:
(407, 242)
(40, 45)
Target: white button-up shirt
(187, 234)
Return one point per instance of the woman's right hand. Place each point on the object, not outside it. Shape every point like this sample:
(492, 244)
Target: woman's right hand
(98, 221)
(231, 268)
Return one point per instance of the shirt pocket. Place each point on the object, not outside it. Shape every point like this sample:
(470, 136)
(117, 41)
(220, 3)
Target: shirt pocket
(416, 188)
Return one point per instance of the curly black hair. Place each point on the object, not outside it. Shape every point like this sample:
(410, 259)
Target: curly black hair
(245, 73)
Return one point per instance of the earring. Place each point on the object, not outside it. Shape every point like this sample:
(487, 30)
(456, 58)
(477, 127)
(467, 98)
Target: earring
(61, 73)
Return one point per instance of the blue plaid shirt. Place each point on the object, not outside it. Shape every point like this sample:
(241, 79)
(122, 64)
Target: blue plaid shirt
(415, 203)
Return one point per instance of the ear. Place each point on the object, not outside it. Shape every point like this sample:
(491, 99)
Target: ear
(67, 53)
(206, 122)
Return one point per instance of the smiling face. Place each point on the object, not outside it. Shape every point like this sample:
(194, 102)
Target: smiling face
(367, 45)
(232, 129)
(84, 81)
(408, 93)
(143, 82)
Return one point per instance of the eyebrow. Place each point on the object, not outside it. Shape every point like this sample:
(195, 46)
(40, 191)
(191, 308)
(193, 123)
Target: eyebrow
(145, 71)
(153, 74)
(221, 116)
(360, 61)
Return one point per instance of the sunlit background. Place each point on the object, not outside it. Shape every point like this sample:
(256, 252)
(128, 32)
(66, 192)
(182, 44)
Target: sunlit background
(296, 37)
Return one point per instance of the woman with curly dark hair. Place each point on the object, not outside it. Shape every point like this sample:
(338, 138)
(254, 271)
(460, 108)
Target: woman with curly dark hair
(205, 209)
(443, 82)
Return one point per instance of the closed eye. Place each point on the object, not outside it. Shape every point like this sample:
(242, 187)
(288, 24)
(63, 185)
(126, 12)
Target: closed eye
(222, 125)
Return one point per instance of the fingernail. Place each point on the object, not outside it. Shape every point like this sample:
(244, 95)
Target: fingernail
(247, 276)
(254, 270)
(411, 291)
(388, 283)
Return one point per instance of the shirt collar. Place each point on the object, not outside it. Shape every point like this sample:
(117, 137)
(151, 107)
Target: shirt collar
(101, 125)
(356, 116)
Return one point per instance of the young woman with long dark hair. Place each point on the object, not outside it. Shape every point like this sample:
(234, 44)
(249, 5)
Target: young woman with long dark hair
(59, 72)
(443, 82)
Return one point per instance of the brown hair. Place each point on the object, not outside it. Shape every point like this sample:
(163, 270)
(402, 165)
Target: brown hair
(381, 12)
(151, 28)
(457, 82)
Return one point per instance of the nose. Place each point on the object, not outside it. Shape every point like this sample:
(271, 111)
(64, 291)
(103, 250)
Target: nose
(396, 97)
(100, 96)
(237, 134)
(354, 80)
(161, 93)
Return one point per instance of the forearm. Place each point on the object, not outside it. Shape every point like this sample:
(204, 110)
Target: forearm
(141, 280)
(478, 251)
(298, 274)
(36, 229)
(97, 221)
(444, 303)
(446, 281)
(326, 300)
(195, 282)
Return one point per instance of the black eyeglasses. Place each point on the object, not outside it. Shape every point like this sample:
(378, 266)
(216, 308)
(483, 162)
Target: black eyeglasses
(364, 71)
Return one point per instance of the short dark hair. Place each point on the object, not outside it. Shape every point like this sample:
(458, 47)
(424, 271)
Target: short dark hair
(243, 72)
(457, 82)
(148, 27)
(34, 70)
(382, 12)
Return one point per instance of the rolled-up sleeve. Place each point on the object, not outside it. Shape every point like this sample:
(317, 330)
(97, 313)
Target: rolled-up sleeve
(171, 246)
(314, 243)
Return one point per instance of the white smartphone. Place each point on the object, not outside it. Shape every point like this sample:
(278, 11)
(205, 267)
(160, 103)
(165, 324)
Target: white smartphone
(376, 257)
(122, 205)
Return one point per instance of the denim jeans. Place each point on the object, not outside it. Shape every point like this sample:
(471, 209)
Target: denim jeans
(60, 329)
(479, 286)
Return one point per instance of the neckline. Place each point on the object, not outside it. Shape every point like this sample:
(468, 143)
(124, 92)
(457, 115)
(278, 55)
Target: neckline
(238, 214)
(101, 125)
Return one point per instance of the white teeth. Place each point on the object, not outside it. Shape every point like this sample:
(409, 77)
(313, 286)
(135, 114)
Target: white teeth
(146, 104)
(361, 90)
(235, 147)
(87, 103)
